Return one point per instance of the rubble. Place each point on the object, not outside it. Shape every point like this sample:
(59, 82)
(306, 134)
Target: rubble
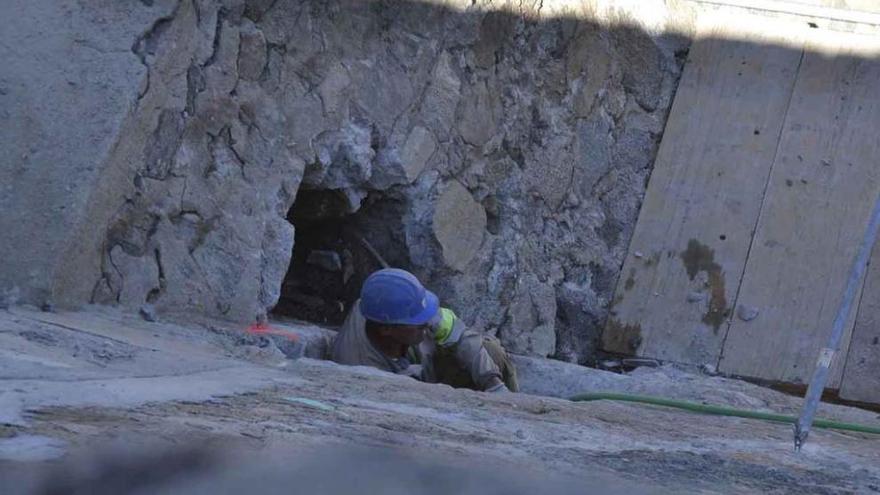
(148, 312)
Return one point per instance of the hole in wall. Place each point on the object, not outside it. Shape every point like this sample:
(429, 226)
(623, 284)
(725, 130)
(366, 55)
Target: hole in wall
(331, 258)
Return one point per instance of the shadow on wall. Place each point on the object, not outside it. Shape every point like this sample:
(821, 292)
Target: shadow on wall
(501, 156)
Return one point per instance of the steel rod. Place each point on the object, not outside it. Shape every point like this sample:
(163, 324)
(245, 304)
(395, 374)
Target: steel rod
(826, 354)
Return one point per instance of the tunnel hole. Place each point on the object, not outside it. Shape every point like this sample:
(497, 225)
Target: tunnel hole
(332, 252)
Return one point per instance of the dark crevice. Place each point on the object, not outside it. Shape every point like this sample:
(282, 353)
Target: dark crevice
(146, 88)
(255, 13)
(514, 152)
(212, 163)
(203, 229)
(147, 43)
(154, 227)
(215, 44)
(252, 124)
(271, 48)
(117, 290)
(331, 259)
(230, 142)
(194, 225)
(93, 298)
(154, 293)
(162, 146)
(195, 84)
(642, 105)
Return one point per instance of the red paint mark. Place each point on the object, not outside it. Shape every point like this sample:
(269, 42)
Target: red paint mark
(265, 329)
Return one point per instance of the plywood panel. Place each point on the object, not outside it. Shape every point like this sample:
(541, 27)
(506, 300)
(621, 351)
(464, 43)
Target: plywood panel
(816, 209)
(695, 227)
(861, 375)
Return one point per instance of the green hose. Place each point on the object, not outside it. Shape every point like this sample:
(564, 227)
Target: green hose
(723, 411)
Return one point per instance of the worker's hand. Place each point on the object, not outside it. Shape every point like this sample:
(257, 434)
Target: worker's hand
(413, 371)
(499, 389)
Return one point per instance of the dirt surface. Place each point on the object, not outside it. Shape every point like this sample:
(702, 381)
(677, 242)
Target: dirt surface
(101, 377)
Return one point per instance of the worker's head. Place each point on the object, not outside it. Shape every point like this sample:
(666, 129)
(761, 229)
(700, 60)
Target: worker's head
(407, 335)
(397, 305)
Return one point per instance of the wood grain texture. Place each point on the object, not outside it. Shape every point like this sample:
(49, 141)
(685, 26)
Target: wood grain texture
(861, 375)
(821, 192)
(696, 224)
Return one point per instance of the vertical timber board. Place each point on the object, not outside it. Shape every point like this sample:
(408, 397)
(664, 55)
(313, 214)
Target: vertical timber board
(692, 238)
(820, 196)
(861, 375)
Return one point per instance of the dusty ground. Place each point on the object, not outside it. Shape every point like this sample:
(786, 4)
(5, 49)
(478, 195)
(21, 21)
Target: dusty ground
(76, 380)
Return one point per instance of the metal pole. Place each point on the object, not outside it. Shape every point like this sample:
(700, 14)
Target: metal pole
(373, 252)
(826, 354)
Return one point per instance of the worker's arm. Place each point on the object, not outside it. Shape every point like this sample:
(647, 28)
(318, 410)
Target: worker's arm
(467, 346)
(472, 355)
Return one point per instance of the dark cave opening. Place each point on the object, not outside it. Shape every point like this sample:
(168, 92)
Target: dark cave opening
(335, 250)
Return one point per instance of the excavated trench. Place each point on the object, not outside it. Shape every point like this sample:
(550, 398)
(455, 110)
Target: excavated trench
(335, 250)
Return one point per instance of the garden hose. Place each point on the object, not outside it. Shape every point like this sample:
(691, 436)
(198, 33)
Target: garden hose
(722, 411)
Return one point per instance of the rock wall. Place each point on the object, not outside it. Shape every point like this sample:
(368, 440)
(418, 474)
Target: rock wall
(68, 82)
(517, 146)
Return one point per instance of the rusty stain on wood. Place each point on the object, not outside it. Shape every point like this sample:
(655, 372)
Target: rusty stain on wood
(623, 337)
(630, 281)
(686, 200)
(697, 258)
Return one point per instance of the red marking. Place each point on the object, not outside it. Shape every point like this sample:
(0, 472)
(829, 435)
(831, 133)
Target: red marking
(264, 329)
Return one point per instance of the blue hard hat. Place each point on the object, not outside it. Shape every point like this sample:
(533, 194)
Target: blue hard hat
(396, 297)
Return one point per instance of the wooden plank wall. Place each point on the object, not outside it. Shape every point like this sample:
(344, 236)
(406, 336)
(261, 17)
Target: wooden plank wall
(861, 375)
(696, 223)
(821, 193)
(760, 194)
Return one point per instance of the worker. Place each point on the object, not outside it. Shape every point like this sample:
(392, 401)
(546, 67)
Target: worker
(397, 325)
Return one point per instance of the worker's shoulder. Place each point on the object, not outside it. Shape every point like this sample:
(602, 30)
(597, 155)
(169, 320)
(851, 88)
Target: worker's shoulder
(354, 320)
(351, 333)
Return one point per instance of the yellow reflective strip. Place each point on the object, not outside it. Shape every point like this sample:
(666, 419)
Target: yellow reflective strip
(444, 328)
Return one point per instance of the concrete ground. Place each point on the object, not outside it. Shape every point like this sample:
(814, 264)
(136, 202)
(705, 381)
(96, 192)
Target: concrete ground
(73, 382)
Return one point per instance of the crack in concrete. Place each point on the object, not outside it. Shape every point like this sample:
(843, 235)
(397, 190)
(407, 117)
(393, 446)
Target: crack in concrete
(154, 294)
(141, 45)
(215, 43)
(118, 290)
(227, 138)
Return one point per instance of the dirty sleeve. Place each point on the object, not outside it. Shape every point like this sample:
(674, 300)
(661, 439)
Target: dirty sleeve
(472, 356)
